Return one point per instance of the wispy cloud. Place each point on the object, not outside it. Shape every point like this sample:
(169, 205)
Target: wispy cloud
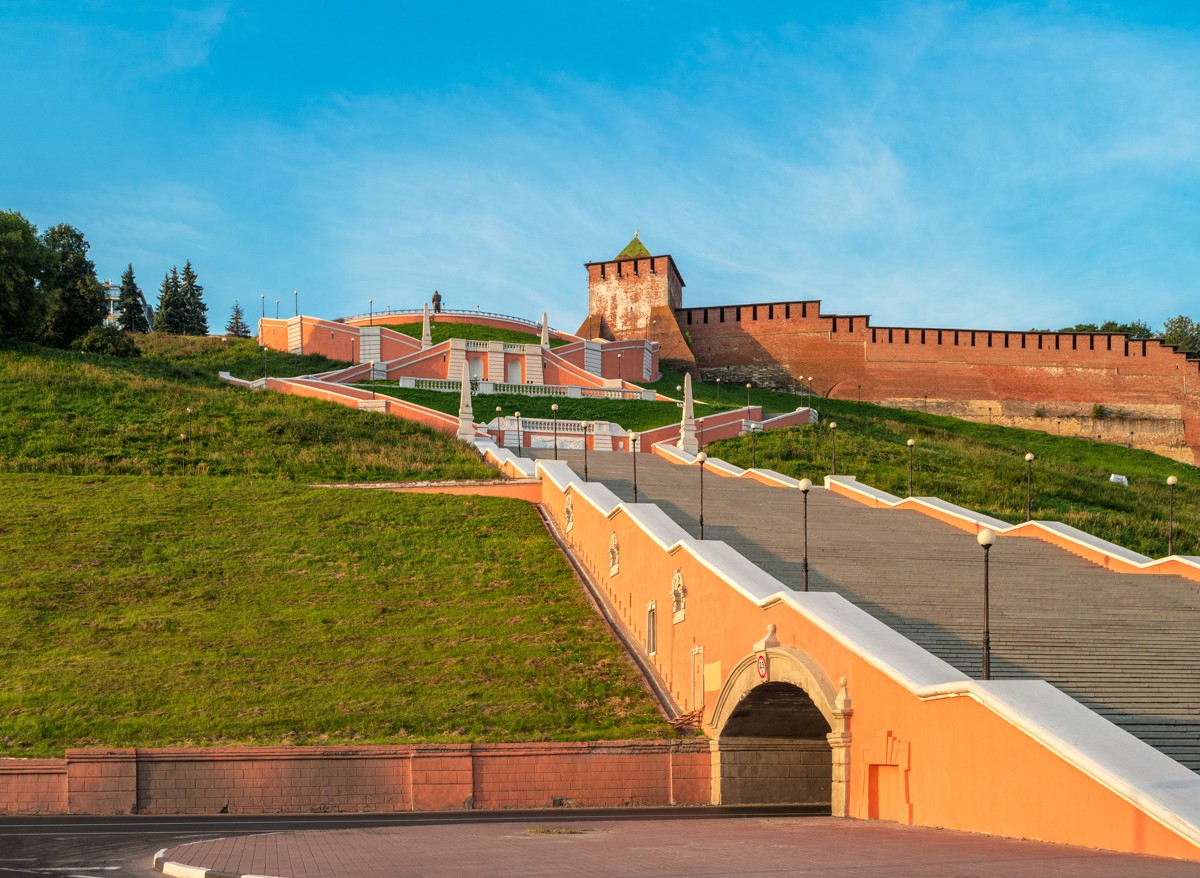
(937, 165)
(189, 38)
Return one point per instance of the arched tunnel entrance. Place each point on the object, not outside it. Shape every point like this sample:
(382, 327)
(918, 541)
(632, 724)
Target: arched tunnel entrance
(782, 732)
(774, 749)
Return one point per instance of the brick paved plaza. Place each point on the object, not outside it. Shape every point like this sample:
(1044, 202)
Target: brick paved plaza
(696, 848)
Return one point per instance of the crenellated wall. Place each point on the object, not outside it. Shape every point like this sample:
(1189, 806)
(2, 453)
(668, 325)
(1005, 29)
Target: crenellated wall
(1143, 390)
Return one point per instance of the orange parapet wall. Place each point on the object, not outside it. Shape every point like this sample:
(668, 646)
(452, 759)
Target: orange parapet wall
(920, 742)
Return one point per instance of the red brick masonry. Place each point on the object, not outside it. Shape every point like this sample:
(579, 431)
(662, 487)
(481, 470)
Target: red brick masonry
(265, 780)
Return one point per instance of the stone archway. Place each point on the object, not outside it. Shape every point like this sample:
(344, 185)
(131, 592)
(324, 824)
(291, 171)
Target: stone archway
(781, 731)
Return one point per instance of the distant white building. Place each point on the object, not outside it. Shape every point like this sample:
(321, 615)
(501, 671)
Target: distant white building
(112, 295)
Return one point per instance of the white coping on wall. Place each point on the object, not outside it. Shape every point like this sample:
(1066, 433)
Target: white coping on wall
(230, 379)
(1149, 779)
(526, 466)
(1065, 532)
(856, 490)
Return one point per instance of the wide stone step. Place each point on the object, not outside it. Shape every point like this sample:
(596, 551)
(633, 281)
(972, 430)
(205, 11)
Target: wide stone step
(1125, 645)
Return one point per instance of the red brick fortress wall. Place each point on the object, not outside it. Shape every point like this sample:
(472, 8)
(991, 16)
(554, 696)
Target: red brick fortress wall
(1034, 380)
(277, 780)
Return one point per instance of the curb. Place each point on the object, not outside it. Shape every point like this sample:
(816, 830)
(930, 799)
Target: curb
(180, 870)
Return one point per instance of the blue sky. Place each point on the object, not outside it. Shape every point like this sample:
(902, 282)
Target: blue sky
(1000, 166)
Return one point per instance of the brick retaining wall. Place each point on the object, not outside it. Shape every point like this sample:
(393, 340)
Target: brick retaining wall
(269, 780)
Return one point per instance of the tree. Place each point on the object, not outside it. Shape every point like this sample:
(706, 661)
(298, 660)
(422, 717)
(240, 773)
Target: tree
(75, 299)
(192, 294)
(1136, 329)
(237, 323)
(171, 316)
(129, 303)
(109, 341)
(1183, 332)
(23, 260)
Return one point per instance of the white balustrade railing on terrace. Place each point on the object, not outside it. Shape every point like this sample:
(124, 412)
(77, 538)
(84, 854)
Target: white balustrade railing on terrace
(409, 312)
(573, 391)
(529, 389)
(548, 425)
(441, 384)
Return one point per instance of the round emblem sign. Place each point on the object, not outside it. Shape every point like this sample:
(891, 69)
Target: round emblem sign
(762, 667)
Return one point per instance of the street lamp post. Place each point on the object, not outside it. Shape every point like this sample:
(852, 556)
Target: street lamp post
(370, 312)
(986, 538)
(584, 424)
(372, 379)
(517, 415)
(833, 445)
(296, 297)
(633, 447)
(805, 487)
(499, 426)
(747, 394)
(261, 329)
(554, 415)
(718, 391)
(276, 309)
(911, 443)
(1171, 483)
(620, 365)
(1029, 458)
(701, 459)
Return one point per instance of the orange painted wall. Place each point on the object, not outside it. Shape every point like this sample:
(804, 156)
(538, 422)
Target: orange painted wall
(529, 491)
(968, 768)
(349, 396)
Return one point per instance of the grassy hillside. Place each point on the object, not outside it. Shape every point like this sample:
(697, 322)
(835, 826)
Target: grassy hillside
(154, 611)
(631, 414)
(983, 467)
(162, 591)
(78, 415)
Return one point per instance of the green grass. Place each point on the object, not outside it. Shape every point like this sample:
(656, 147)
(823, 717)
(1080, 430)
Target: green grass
(630, 414)
(158, 611)
(73, 414)
(982, 467)
(730, 396)
(440, 331)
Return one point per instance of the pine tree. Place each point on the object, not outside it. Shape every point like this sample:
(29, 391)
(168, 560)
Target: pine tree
(192, 295)
(129, 303)
(76, 299)
(236, 326)
(171, 316)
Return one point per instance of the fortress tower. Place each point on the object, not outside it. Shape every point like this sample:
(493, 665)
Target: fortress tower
(636, 295)
(1098, 385)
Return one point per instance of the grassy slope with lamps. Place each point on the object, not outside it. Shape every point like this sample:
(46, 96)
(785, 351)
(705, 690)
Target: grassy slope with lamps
(151, 599)
(979, 466)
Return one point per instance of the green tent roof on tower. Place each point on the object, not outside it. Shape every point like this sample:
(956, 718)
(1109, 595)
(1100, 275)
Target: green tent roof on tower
(635, 249)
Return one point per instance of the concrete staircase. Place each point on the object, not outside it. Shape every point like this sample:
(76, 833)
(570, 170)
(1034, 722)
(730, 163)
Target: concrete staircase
(1126, 646)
